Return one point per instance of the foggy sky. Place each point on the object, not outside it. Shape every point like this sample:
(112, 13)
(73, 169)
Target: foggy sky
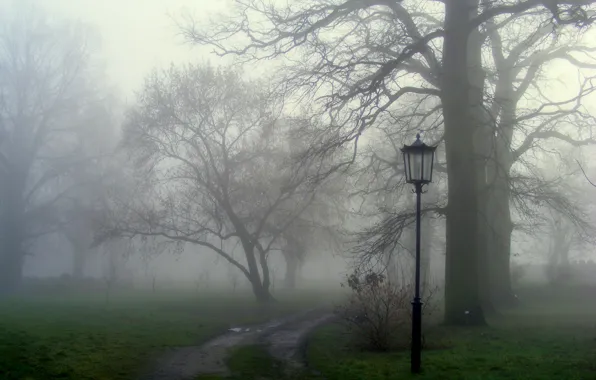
(139, 35)
(136, 35)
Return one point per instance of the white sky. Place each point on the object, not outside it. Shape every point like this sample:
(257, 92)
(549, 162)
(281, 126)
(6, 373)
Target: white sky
(139, 35)
(136, 35)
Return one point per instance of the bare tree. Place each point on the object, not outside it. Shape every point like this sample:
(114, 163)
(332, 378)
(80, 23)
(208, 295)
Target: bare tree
(79, 234)
(47, 99)
(387, 245)
(315, 231)
(561, 239)
(361, 59)
(78, 210)
(199, 138)
(517, 108)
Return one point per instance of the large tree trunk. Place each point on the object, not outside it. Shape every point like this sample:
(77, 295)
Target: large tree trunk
(260, 290)
(499, 235)
(425, 250)
(462, 298)
(500, 276)
(502, 291)
(428, 234)
(266, 283)
(485, 240)
(500, 230)
(483, 145)
(260, 287)
(500, 204)
(294, 253)
(500, 214)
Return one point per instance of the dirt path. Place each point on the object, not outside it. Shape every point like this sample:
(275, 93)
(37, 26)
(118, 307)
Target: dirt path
(283, 336)
(287, 342)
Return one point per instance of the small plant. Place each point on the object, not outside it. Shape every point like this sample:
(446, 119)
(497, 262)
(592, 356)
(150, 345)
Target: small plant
(378, 313)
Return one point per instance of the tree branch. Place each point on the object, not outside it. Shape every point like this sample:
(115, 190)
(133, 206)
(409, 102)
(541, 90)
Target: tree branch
(585, 175)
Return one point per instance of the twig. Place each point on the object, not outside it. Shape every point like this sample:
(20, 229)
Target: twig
(585, 175)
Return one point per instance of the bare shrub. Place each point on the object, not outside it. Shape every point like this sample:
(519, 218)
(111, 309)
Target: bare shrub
(378, 313)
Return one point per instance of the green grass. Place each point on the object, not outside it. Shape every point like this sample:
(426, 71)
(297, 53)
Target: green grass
(83, 337)
(254, 362)
(471, 354)
(550, 337)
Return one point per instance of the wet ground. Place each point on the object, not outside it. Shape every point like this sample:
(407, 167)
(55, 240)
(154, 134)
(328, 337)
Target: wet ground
(284, 337)
(286, 343)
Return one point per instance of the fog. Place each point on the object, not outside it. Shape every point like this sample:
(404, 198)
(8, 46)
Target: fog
(199, 176)
(127, 71)
(127, 42)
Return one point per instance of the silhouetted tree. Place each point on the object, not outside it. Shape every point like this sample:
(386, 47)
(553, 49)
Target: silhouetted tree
(360, 60)
(198, 136)
(48, 97)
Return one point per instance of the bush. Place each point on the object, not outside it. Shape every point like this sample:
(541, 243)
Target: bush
(378, 314)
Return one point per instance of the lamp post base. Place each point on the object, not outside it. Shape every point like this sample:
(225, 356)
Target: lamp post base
(416, 335)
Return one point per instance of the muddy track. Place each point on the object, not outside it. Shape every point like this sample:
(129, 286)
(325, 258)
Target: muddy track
(283, 336)
(287, 343)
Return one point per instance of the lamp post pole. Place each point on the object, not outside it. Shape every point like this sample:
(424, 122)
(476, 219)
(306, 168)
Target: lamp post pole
(416, 303)
(418, 166)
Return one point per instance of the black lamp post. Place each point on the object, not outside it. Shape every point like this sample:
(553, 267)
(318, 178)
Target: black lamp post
(418, 164)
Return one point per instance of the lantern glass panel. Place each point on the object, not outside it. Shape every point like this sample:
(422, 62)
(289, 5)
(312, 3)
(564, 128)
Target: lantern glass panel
(427, 170)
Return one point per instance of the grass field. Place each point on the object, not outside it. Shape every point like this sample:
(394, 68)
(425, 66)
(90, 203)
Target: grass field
(84, 337)
(551, 337)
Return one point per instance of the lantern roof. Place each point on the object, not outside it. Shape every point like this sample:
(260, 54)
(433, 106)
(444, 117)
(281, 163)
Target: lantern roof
(417, 145)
